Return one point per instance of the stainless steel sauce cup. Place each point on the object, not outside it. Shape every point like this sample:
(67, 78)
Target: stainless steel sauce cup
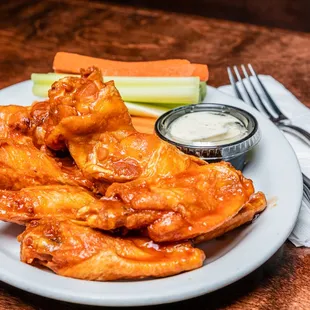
(235, 152)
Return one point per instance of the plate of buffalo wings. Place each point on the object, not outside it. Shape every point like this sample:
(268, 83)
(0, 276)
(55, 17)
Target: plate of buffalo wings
(95, 212)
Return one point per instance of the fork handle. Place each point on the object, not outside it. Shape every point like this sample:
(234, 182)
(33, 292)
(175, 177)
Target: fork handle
(296, 131)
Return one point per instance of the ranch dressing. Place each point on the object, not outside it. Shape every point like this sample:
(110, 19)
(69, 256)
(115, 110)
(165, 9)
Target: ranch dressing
(207, 128)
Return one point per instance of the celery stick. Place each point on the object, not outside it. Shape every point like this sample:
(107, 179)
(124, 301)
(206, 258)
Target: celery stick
(47, 78)
(202, 91)
(125, 81)
(155, 90)
(160, 95)
(145, 110)
(40, 90)
(144, 95)
(165, 82)
(168, 106)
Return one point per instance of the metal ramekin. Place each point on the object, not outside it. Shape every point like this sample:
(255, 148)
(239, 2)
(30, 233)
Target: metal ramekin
(235, 152)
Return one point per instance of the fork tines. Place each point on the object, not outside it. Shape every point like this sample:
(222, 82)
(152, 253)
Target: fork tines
(251, 90)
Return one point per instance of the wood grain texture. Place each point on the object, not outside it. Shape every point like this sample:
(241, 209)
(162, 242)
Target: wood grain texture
(287, 14)
(31, 32)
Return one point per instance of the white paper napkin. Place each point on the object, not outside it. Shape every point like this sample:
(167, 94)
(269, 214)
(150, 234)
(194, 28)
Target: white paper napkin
(299, 114)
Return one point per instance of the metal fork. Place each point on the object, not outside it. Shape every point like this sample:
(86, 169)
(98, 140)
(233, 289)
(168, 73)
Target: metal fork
(272, 111)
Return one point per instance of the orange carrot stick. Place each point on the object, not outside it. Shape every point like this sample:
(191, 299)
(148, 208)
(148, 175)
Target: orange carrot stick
(201, 71)
(72, 63)
(69, 62)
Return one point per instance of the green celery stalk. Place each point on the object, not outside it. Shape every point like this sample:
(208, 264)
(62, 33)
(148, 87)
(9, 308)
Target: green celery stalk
(157, 90)
(40, 90)
(202, 91)
(160, 95)
(144, 95)
(145, 110)
(131, 81)
(48, 78)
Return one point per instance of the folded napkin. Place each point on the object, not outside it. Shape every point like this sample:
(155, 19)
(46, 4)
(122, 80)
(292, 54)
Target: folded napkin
(299, 114)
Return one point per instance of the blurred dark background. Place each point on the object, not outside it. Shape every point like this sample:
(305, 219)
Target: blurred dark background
(287, 14)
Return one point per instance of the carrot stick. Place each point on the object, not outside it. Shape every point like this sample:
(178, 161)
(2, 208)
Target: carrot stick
(72, 63)
(201, 71)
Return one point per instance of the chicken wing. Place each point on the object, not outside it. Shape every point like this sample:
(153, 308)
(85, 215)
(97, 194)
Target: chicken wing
(18, 122)
(39, 117)
(82, 108)
(255, 206)
(37, 202)
(71, 202)
(195, 202)
(80, 252)
(23, 165)
(185, 206)
(14, 121)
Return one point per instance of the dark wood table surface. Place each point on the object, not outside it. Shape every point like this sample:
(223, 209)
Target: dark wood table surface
(31, 32)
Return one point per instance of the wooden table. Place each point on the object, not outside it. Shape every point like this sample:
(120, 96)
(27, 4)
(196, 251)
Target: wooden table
(31, 32)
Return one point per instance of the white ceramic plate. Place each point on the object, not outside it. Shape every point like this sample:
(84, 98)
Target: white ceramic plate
(275, 171)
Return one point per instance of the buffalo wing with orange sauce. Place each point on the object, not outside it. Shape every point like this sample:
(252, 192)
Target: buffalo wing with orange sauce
(80, 252)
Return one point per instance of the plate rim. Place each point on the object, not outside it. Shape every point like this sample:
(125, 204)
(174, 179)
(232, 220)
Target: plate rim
(193, 291)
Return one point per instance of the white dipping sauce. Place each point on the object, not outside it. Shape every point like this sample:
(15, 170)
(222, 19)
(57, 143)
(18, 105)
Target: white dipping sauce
(207, 128)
